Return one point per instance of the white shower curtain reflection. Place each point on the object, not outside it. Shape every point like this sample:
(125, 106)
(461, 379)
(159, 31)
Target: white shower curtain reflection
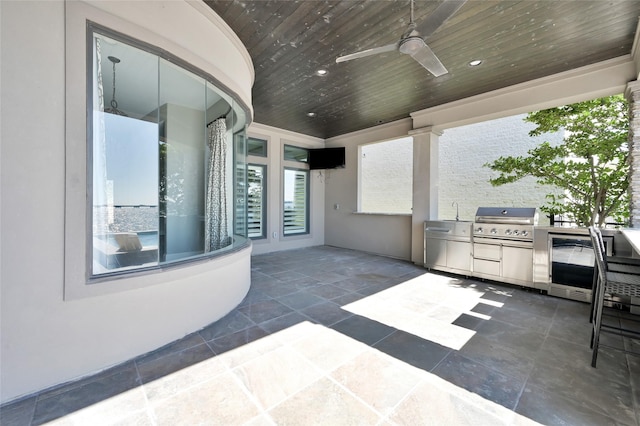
(216, 231)
(102, 210)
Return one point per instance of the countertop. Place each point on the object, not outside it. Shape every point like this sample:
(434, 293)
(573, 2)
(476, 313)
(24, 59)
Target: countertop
(633, 236)
(562, 230)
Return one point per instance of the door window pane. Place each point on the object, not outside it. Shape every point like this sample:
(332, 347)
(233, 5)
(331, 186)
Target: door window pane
(257, 147)
(256, 208)
(294, 153)
(296, 202)
(240, 174)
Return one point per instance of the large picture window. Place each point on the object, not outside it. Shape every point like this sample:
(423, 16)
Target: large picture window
(167, 160)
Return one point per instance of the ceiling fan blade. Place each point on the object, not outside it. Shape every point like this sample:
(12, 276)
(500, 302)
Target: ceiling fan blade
(425, 57)
(368, 52)
(443, 12)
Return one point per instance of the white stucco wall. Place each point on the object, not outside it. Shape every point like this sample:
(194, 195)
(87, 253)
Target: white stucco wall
(386, 176)
(385, 172)
(464, 179)
(385, 234)
(46, 337)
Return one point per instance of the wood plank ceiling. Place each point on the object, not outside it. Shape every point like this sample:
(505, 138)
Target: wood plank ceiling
(289, 40)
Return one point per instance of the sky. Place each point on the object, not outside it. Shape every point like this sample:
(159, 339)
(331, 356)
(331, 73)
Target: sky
(132, 160)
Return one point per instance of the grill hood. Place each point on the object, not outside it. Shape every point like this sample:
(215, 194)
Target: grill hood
(516, 215)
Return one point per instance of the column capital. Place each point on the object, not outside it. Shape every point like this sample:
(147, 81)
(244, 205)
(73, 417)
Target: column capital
(423, 130)
(633, 88)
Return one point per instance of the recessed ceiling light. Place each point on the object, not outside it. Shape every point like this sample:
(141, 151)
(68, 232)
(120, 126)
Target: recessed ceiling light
(475, 63)
(322, 72)
(311, 114)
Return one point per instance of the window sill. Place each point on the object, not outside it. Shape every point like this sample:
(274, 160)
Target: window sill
(382, 214)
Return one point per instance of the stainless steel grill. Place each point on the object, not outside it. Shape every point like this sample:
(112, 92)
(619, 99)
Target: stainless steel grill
(509, 223)
(503, 244)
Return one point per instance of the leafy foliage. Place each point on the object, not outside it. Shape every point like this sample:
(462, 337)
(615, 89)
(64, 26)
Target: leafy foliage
(590, 165)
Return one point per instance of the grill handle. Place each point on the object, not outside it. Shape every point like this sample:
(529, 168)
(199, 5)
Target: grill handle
(437, 229)
(507, 220)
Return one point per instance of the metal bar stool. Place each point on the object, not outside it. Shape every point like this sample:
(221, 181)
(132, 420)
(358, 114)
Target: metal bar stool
(613, 289)
(628, 266)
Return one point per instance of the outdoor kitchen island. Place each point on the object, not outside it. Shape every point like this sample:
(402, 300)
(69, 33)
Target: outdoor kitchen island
(506, 245)
(498, 246)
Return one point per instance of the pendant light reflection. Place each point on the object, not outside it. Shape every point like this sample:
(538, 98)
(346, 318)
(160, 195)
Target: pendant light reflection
(114, 104)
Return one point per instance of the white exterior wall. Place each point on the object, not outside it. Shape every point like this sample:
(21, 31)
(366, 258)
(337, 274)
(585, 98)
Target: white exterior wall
(464, 179)
(386, 176)
(46, 338)
(385, 234)
(386, 170)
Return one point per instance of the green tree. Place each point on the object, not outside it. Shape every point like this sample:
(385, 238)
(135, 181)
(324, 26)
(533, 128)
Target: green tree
(590, 165)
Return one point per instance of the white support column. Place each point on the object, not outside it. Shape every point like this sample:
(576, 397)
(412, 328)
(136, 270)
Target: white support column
(425, 187)
(632, 93)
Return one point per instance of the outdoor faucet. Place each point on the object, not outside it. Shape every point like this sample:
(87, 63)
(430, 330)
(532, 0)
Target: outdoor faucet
(457, 214)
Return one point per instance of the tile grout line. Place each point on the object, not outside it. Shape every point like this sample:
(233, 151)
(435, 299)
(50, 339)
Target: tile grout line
(248, 393)
(535, 359)
(148, 407)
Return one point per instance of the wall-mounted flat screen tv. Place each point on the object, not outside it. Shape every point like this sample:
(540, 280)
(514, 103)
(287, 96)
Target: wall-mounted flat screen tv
(326, 158)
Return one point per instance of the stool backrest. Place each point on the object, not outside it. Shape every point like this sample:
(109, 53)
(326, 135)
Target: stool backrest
(598, 250)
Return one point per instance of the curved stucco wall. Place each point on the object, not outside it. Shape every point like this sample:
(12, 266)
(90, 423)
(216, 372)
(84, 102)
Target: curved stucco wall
(46, 337)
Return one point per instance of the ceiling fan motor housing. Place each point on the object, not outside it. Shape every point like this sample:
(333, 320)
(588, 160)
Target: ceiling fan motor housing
(411, 45)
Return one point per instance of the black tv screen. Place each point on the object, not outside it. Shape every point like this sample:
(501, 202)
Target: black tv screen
(326, 158)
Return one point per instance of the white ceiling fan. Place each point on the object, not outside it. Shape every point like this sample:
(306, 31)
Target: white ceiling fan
(412, 41)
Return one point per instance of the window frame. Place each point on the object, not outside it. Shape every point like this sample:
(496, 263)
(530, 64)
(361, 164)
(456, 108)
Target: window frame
(77, 247)
(295, 160)
(265, 144)
(263, 201)
(93, 28)
(307, 201)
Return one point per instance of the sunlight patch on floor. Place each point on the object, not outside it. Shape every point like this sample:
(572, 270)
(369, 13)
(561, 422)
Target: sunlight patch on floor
(425, 306)
(277, 380)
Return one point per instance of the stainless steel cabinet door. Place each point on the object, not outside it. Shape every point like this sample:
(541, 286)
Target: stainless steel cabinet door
(436, 253)
(517, 263)
(459, 255)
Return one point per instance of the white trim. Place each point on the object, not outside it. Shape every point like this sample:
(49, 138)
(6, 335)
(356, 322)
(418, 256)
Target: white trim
(634, 49)
(580, 84)
(205, 10)
(376, 129)
(256, 128)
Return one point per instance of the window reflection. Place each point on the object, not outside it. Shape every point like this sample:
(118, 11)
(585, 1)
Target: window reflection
(163, 161)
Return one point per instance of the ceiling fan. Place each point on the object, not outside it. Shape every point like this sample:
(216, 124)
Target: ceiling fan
(412, 41)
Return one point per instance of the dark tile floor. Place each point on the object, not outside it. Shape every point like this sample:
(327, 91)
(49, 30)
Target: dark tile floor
(334, 336)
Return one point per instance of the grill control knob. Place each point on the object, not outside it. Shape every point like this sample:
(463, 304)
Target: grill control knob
(494, 231)
(515, 232)
(479, 231)
(507, 232)
(525, 233)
